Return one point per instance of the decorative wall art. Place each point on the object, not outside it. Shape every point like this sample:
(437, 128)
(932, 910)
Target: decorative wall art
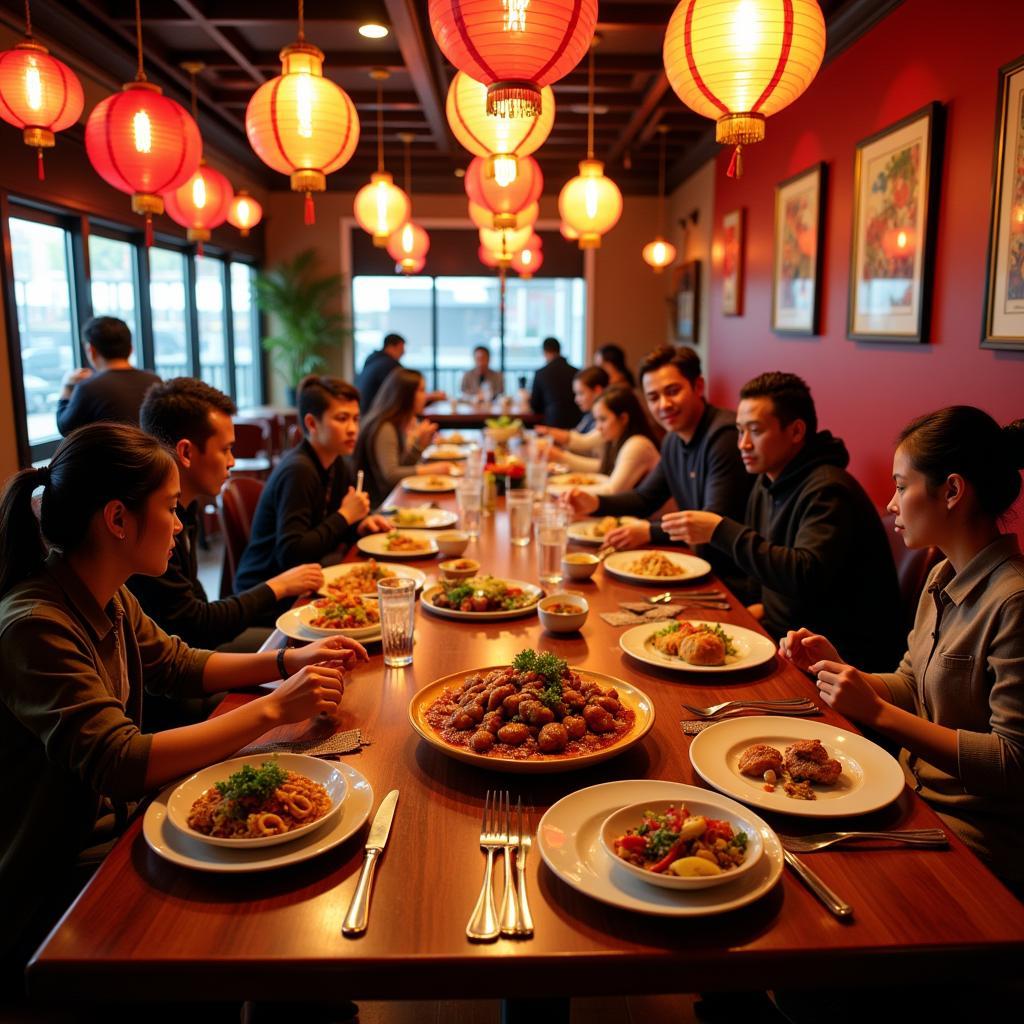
(732, 263)
(895, 204)
(797, 252)
(687, 320)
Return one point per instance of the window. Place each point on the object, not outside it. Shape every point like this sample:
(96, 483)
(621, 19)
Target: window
(213, 356)
(245, 328)
(167, 289)
(537, 309)
(46, 326)
(113, 284)
(399, 305)
(467, 316)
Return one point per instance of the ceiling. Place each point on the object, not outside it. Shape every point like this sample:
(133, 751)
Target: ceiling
(238, 41)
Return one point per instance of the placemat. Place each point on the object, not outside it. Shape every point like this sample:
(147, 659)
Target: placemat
(348, 742)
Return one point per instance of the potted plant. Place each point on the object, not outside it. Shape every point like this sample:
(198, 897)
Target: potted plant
(305, 318)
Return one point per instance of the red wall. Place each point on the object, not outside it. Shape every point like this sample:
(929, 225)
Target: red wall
(926, 50)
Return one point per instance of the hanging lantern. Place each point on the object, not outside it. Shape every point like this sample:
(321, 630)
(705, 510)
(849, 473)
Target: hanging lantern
(530, 258)
(409, 244)
(492, 259)
(568, 232)
(412, 267)
(511, 240)
(590, 204)
(501, 141)
(515, 47)
(483, 218)
(739, 61)
(659, 254)
(244, 212)
(38, 93)
(301, 123)
(201, 204)
(504, 201)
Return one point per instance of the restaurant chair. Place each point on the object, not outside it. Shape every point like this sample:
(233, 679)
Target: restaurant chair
(236, 507)
(912, 568)
(254, 442)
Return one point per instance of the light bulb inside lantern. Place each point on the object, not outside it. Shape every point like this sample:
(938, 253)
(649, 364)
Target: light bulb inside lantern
(526, 257)
(901, 240)
(407, 238)
(504, 168)
(33, 86)
(304, 106)
(590, 198)
(199, 192)
(515, 15)
(243, 211)
(142, 132)
(381, 189)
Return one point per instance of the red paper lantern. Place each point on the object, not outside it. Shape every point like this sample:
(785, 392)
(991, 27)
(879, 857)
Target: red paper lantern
(529, 259)
(408, 245)
(244, 212)
(515, 47)
(38, 94)
(143, 143)
(411, 266)
(201, 204)
(506, 201)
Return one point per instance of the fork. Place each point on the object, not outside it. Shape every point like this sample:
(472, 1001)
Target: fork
(912, 837)
(483, 922)
(524, 927)
(509, 916)
(667, 597)
(796, 704)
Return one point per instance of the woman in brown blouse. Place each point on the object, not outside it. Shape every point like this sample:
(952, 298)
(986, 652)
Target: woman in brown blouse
(956, 701)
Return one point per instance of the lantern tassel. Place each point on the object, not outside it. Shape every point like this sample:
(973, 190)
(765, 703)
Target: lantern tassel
(149, 231)
(736, 164)
(310, 210)
(40, 169)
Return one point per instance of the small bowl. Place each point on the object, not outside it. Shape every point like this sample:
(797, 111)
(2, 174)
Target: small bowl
(563, 622)
(580, 565)
(452, 542)
(625, 818)
(459, 568)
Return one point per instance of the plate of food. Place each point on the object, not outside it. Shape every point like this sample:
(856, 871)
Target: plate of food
(593, 483)
(444, 453)
(350, 579)
(399, 544)
(579, 717)
(569, 838)
(454, 438)
(355, 616)
(295, 624)
(432, 483)
(648, 566)
(594, 531)
(795, 766)
(694, 645)
(186, 850)
(482, 599)
(257, 800)
(423, 518)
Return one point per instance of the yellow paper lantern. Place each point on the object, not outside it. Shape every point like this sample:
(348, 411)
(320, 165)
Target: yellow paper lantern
(244, 213)
(482, 217)
(568, 232)
(509, 240)
(659, 254)
(590, 203)
(381, 208)
(740, 61)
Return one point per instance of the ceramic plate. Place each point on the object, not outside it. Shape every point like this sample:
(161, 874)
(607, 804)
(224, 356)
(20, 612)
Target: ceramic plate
(308, 612)
(633, 698)
(292, 623)
(444, 453)
(596, 483)
(166, 841)
(569, 840)
(376, 544)
(690, 567)
(450, 613)
(336, 572)
(871, 777)
(429, 484)
(751, 648)
(582, 531)
(433, 518)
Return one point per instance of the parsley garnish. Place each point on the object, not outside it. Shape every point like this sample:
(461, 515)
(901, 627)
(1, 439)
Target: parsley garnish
(549, 667)
(252, 782)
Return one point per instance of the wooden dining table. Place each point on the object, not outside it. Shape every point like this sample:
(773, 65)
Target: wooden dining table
(145, 928)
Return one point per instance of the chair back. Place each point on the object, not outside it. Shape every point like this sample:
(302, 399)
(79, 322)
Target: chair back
(236, 509)
(253, 438)
(912, 568)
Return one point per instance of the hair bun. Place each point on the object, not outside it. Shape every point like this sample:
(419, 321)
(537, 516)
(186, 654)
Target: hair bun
(1013, 437)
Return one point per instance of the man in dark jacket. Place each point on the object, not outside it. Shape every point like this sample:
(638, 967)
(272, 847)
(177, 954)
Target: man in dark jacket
(115, 390)
(194, 421)
(552, 395)
(811, 537)
(377, 367)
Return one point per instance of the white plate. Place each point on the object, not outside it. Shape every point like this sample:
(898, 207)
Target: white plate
(582, 531)
(514, 613)
(308, 612)
(569, 840)
(751, 648)
(376, 544)
(424, 484)
(185, 794)
(292, 625)
(433, 519)
(560, 483)
(690, 566)
(871, 777)
(336, 572)
(166, 841)
(444, 453)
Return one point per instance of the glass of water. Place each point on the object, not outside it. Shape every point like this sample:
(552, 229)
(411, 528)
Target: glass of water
(397, 600)
(470, 498)
(520, 516)
(552, 536)
(537, 475)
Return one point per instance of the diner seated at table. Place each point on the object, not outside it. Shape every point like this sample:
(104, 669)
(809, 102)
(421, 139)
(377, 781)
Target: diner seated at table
(612, 359)
(76, 651)
(310, 506)
(393, 437)
(955, 703)
(583, 439)
(629, 450)
(482, 381)
(810, 538)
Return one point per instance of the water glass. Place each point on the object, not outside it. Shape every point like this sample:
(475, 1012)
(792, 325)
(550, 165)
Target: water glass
(470, 499)
(520, 516)
(476, 459)
(552, 536)
(537, 475)
(397, 601)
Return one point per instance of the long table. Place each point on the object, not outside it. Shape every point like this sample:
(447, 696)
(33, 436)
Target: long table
(144, 928)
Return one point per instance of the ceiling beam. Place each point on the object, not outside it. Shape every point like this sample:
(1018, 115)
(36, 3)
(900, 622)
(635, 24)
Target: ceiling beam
(222, 39)
(648, 105)
(269, 60)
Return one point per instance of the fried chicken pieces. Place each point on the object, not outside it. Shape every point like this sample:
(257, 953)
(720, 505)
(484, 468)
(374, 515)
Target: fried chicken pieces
(805, 761)
(760, 758)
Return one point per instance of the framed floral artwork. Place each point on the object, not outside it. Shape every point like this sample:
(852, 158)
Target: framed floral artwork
(687, 322)
(895, 205)
(732, 263)
(1004, 285)
(797, 254)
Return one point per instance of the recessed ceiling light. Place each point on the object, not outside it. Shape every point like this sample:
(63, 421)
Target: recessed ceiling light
(371, 30)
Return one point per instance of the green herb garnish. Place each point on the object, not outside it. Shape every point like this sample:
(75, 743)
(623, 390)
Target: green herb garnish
(660, 842)
(723, 636)
(549, 667)
(672, 627)
(252, 782)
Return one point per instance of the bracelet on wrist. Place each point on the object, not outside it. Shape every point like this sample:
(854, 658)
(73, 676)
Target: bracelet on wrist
(281, 669)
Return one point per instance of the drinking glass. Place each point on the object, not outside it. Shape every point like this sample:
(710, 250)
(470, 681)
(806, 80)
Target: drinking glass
(476, 459)
(552, 536)
(397, 601)
(520, 515)
(537, 475)
(470, 499)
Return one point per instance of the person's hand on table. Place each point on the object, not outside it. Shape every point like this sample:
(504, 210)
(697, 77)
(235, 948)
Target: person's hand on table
(555, 453)
(374, 524)
(313, 690)
(422, 432)
(557, 434)
(582, 503)
(803, 649)
(690, 527)
(340, 652)
(848, 690)
(629, 535)
(434, 469)
(303, 579)
(355, 505)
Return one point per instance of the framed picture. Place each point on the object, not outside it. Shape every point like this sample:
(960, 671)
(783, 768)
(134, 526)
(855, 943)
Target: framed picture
(688, 302)
(895, 205)
(1004, 284)
(796, 263)
(732, 263)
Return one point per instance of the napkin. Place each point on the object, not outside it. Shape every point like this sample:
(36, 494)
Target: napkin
(635, 612)
(347, 742)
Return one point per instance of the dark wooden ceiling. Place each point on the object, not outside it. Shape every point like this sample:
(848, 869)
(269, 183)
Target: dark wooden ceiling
(239, 40)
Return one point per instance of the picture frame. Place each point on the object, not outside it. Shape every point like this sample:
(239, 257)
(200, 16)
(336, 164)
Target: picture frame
(1003, 325)
(798, 251)
(892, 250)
(732, 263)
(687, 306)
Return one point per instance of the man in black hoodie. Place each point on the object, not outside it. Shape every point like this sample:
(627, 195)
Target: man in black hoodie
(811, 539)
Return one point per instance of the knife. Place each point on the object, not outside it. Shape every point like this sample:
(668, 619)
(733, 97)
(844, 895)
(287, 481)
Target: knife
(359, 908)
(835, 904)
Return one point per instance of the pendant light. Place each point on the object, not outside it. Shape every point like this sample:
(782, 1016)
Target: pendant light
(530, 258)
(514, 47)
(381, 207)
(568, 232)
(302, 124)
(506, 201)
(38, 93)
(244, 212)
(590, 203)
(408, 246)
(659, 254)
(142, 142)
(739, 61)
(482, 217)
(511, 240)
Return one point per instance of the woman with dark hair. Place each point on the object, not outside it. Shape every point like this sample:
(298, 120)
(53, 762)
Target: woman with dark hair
(76, 651)
(612, 360)
(392, 438)
(956, 702)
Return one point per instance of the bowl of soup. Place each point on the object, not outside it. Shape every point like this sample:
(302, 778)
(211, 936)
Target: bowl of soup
(579, 565)
(563, 613)
(452, 542)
